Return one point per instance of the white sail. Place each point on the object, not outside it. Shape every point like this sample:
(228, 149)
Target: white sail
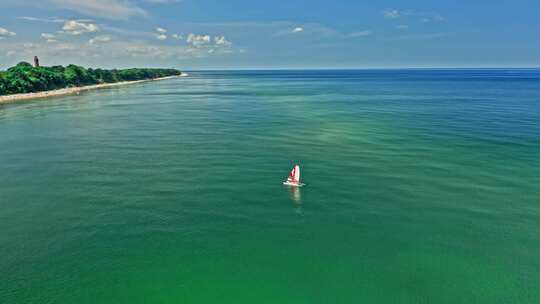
(294, 177)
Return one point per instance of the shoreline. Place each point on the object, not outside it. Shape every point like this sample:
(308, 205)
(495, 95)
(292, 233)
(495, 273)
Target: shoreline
(74, 90)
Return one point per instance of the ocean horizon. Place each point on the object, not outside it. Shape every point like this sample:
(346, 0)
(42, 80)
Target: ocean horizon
(422, 186)
(413, 68)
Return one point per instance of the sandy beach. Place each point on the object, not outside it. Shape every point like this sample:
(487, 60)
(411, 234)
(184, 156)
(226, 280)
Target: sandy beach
(74, 90)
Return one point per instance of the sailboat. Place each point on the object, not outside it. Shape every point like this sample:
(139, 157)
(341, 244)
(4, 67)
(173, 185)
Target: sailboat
(294, 178)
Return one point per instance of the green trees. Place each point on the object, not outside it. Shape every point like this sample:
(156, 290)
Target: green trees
(24, 78)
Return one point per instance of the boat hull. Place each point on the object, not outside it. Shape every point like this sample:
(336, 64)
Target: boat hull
(287, 183)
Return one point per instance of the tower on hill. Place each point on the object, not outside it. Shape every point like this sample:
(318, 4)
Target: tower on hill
(36, 61)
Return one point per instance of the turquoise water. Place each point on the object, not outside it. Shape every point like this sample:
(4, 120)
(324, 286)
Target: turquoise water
(423, 186)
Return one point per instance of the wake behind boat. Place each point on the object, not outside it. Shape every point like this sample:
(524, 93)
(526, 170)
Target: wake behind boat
(294, 178)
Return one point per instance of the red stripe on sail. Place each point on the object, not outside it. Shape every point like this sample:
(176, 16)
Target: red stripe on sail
(292, 174)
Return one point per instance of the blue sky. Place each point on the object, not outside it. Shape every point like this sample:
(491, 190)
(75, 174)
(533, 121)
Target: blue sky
(203, 34)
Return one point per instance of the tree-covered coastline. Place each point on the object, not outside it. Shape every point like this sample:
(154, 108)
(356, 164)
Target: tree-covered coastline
(24, 78)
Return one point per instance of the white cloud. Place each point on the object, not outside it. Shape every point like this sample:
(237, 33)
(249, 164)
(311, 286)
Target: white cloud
(10, 53)
(145, 50)
(198, 40)
(161, 33)
(105, 48)
(100, 38)
(287, 29)
(74, 27)
(30, 45)
(221, 41)
(198, 45)
(177, 36)
(402, 27)
(112, 9)
(431, 17)
(6, 33)
(48, 36)
(103, 38)
(359, 34)
(422, 15)
(51, 20)
(428, 17)
(391, 13)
